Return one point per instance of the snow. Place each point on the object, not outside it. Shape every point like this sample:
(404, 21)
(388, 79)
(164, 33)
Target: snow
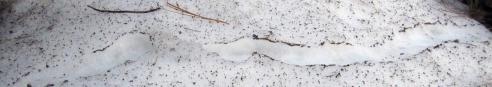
(336, 43)
(410, 43)
(131, 47)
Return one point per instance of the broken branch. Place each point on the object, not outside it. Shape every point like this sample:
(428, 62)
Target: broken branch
(123, 11)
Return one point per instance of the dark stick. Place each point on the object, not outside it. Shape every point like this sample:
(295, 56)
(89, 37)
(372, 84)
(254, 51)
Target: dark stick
(123, 11)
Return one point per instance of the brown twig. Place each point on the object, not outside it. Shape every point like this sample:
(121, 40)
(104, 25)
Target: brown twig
(186, 12)
(123, 11)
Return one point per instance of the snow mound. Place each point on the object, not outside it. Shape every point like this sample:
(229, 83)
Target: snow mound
(130, 47)
(403, 44)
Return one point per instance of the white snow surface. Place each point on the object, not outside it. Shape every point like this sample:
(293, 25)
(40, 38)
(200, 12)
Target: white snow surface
(308, 43)
(409, 43)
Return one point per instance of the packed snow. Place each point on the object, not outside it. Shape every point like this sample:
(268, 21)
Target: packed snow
(404, 44)
(218, 43)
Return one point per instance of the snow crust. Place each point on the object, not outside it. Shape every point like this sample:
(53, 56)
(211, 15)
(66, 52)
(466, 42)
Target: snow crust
(379, 43)
(128, 48)
(404, 44)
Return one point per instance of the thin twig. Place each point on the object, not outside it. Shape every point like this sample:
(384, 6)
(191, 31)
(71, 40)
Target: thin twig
(123, 11)
(186, 12)
(191, 29)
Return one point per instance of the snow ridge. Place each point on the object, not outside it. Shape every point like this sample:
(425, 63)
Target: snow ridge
(406, 43)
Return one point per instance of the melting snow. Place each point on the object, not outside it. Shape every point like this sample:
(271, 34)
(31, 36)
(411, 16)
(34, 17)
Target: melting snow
(130, 47)
(380, 43)
(404, 44)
